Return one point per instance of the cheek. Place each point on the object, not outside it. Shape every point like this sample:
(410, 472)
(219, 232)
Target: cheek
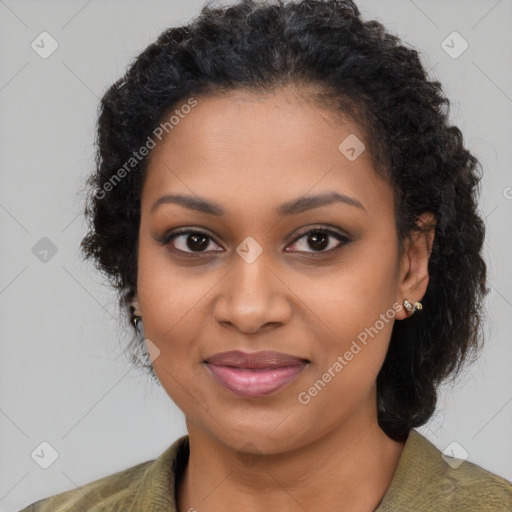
(167, 292)
(172, 303)
(173, 312)
(354, 314)
(353, 294)
(347, 365)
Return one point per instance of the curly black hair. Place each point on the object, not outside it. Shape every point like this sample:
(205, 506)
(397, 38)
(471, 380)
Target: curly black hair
(359, 70)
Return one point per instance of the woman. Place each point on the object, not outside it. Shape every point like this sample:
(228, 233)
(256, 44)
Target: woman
(292, 226)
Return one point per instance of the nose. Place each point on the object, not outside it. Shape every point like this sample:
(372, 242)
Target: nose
(252, 296)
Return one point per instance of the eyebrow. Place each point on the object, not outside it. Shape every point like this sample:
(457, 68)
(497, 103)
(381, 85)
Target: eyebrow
(292, 207)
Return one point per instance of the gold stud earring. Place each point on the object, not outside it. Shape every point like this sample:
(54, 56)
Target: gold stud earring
(411, 308)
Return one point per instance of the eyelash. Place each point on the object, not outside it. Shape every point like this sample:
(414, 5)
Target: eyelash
(168, 238)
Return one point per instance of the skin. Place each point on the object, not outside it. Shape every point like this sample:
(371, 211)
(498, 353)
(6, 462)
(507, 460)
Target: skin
(251, 153)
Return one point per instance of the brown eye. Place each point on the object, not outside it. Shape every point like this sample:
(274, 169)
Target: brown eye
(316, 240)
(189, 241)
(320, 240)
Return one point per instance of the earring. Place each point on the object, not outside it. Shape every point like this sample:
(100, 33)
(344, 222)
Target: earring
(136, 320)
(411, 308)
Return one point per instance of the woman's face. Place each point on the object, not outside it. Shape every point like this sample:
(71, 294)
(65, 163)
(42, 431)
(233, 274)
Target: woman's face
(253, 280)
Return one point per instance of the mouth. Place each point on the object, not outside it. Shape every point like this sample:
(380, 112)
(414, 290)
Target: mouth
(253, 375)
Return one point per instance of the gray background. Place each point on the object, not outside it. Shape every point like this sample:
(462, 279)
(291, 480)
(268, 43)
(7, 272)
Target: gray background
(62, 377)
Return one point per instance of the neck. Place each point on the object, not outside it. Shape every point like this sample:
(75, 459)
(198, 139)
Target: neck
(348, 468)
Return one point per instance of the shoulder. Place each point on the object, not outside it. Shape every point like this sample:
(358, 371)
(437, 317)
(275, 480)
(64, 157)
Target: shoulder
(98, 492)
(475, 488)
(426, 480)
(144, 486)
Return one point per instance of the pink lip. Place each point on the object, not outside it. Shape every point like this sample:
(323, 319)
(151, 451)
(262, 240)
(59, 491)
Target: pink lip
(255, 374)
(262, 359)
(253, 383)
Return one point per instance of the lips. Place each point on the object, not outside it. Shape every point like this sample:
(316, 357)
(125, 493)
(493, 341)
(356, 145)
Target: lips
(253, 375)
(255, 360)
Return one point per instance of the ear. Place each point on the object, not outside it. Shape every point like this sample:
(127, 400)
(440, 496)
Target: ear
(135, 304)
(413, 272)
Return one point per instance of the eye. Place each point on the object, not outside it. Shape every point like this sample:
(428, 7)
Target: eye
(318, 240)
(190, 241)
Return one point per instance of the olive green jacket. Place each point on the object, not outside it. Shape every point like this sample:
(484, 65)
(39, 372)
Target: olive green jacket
(424, 481)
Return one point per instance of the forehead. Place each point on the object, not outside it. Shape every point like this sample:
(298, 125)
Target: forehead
(242, 146)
